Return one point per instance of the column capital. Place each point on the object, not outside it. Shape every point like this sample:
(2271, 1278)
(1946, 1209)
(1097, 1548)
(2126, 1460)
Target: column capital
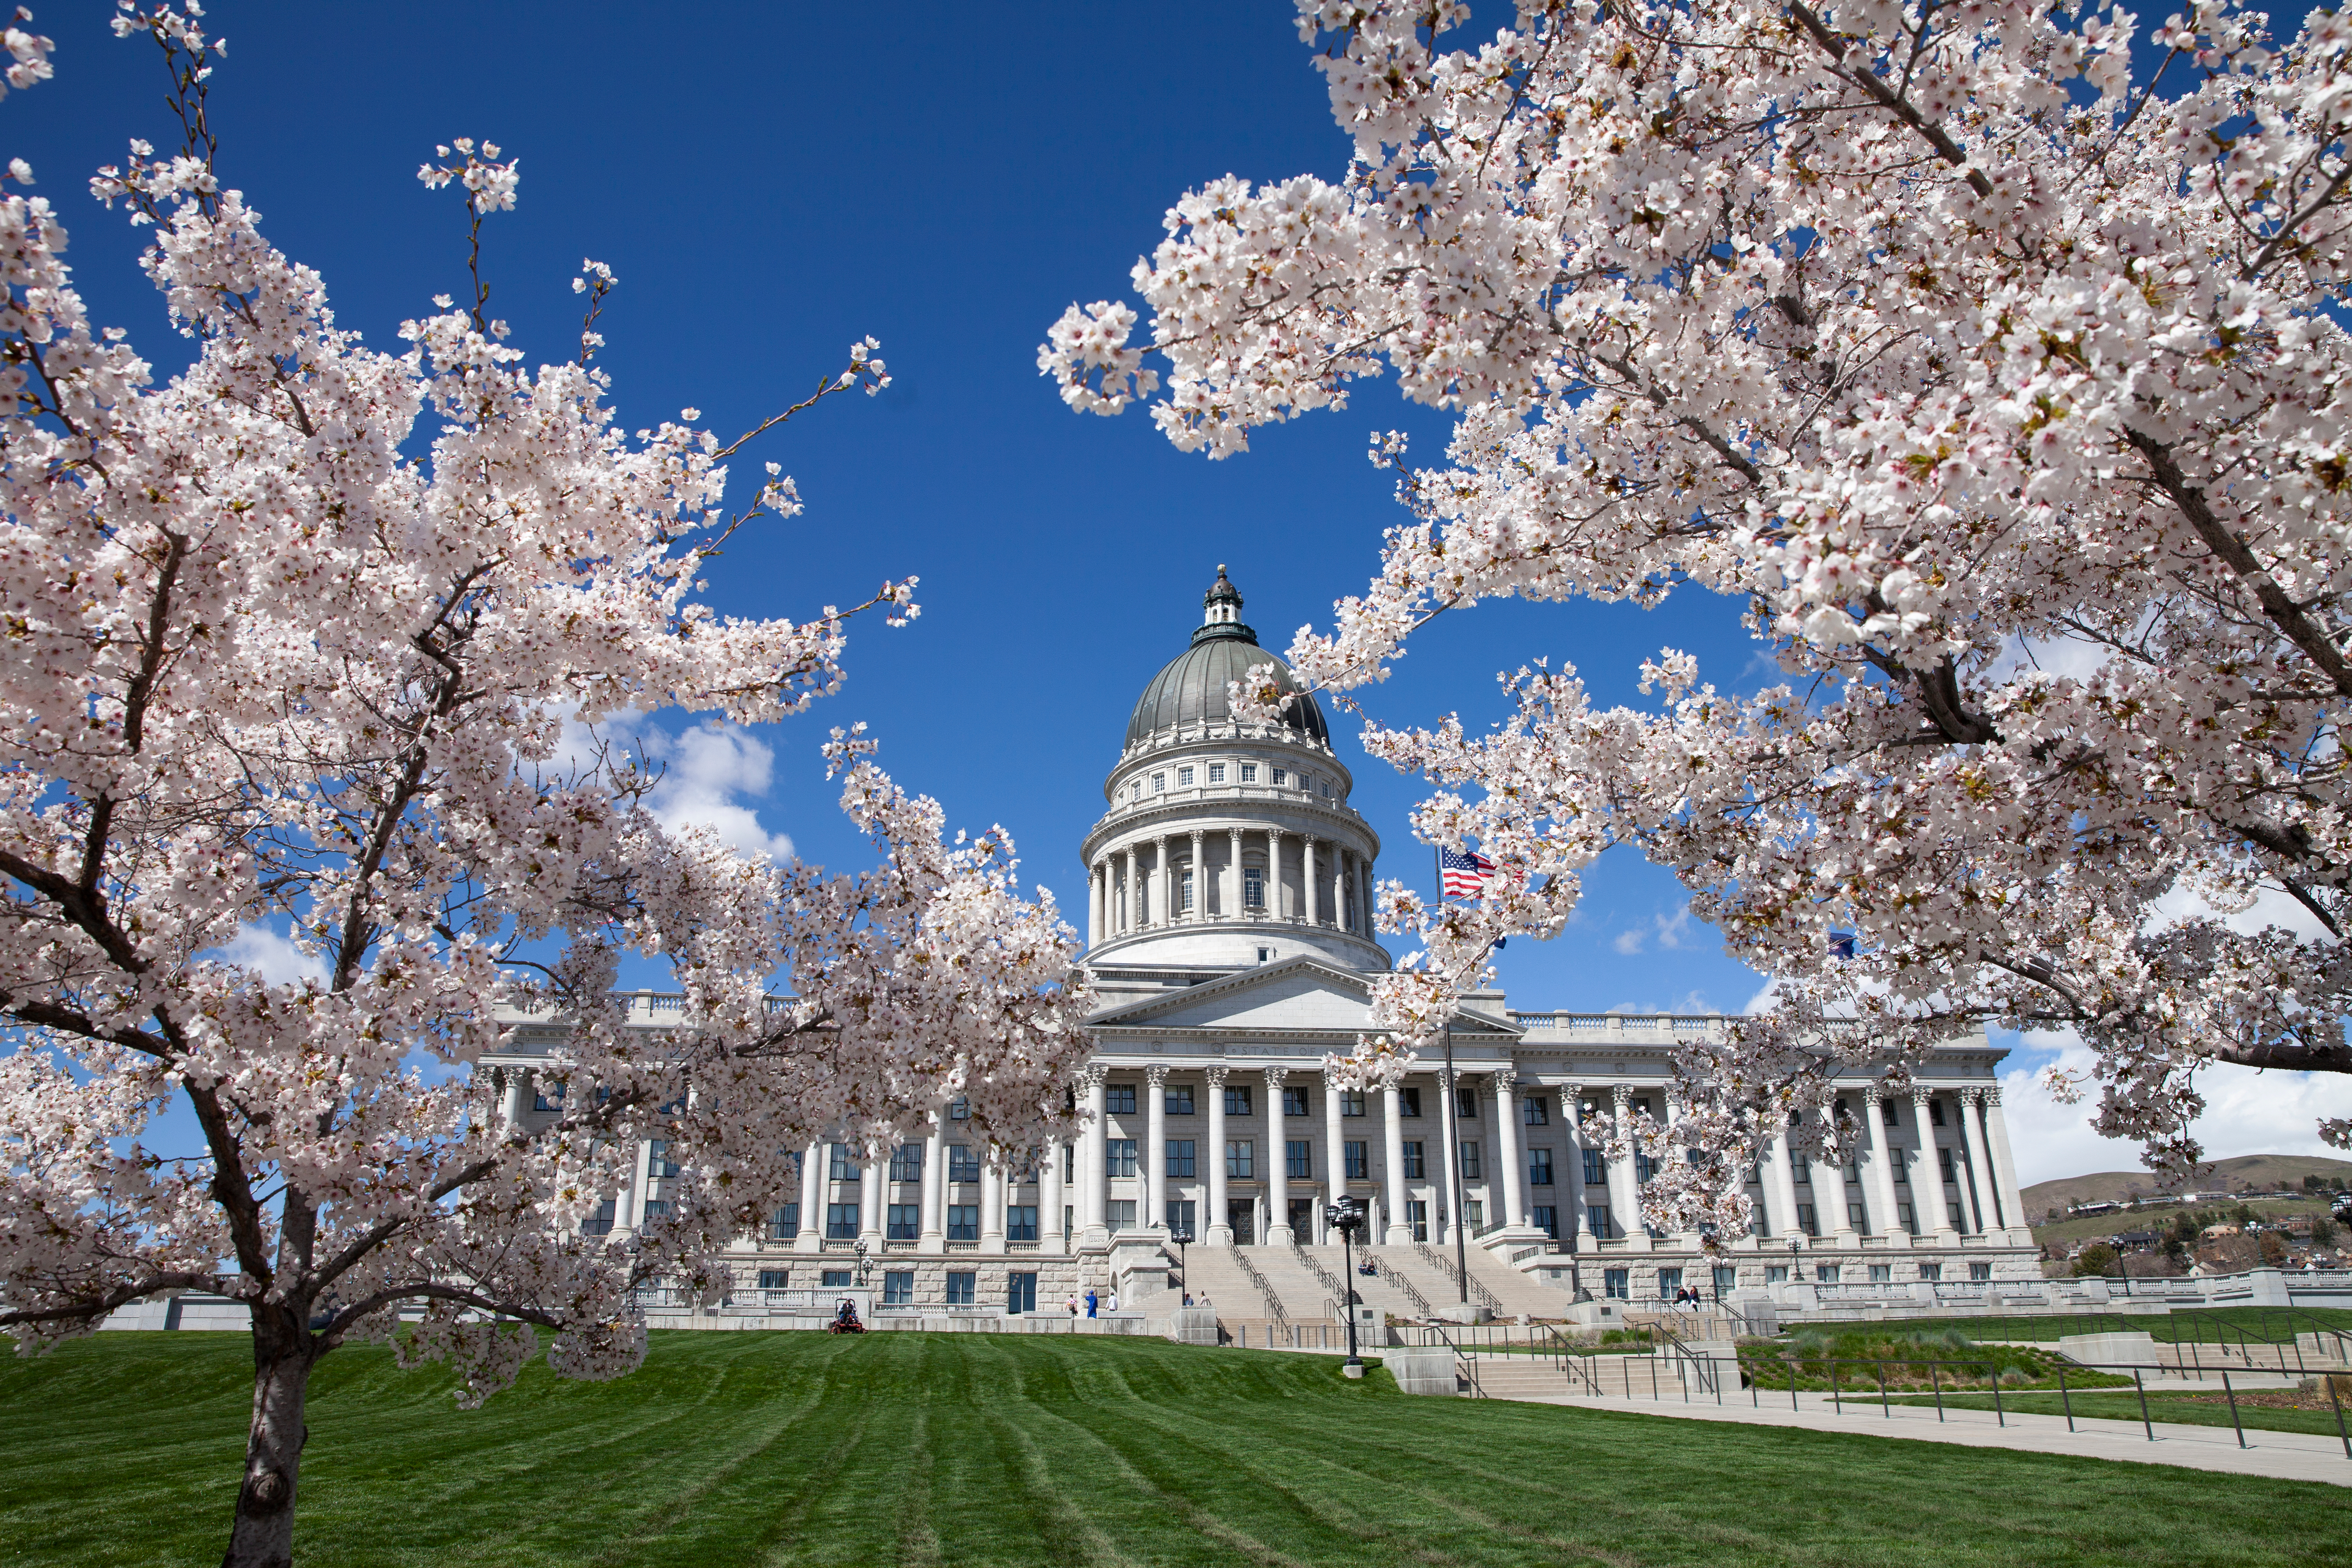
(1331, 1077)
(1215, 1073)
(1273, 1077)
(1992, 1094)
(1094, 1073)
(1156, 1075)
(1873, 1091)
(1973, 1092)
(1621, 1094)
(1505, 1076)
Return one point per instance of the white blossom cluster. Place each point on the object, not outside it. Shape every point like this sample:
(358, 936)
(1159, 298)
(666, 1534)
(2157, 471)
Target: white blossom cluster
(2001, 381)
(291, 641)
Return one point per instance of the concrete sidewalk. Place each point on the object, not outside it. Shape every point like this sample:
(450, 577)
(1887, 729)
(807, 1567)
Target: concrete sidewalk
(2289, 1456)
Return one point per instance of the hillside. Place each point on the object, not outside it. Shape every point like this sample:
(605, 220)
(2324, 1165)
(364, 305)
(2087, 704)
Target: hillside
(2116, 1186)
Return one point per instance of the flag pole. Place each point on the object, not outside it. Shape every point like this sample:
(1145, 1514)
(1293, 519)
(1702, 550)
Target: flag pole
(1452, 1092)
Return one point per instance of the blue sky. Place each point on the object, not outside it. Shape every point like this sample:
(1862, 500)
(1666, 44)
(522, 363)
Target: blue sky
(772, 182)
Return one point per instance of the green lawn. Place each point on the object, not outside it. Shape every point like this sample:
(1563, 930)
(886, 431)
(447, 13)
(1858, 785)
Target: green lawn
(2273, 1325)
(2185, 1409)
(979, 1449)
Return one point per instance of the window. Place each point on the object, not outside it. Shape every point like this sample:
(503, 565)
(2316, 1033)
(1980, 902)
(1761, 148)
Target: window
(601, 1222)
(1413, 1162)
(1470, 1164)
(841, 1222)
(1238, 1101)
(1477, 1212)
(1465, 1102)
(1409, 1101)
(1979, 1271)
(774, 1278)
(1253, 886)
(1021, 1222)
(1298, 1156)
(1805, 1220)
(840, 1167)
(1886, 1110)
(906, 1221)
(1597, 1216)
(1539, 1167)
(1416, 1216)
(1179, 1157)
(1120, 1214)
(1327, 789)
(1903, 1218)
(1178, 1099)
(1639, 1105)
(1249, 772)
(1294, 1102)
(1776, 1274)
(1617, 1284)
(1352, 1102)
(1801, 1172)
(1360, 1159)
(1935, 1112)
(959, 1110)
(1643, 1166)
(1069, 1162)
(898, 1288)
(1930, 1272)
(1119, 1156)
(1160, 783)
(1184, 891)
(1180, 1221)
(1537, 1111)
(839, 1279)
(1266, 955)
(1902, 1168)
(1853, 1216)
(963, 1287)
(1547, 1219)
(785, 1222)
(1183, 778)
(963, 1165)
(1944, 1162)
(1669, 1281)
(1020, 1292)
(1241, 1158)
(907, 1162)
(1278, 778)
(657, 1208)
(547, 1097)
(1727, 1277)
(1882, 1274)
(1825, 1273)
(1118, 1099)
(658, 1161)
(1217, 773)
(964, 1222)
(1594, 1175)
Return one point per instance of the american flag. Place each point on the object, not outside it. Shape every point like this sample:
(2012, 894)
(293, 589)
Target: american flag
(1461, 874)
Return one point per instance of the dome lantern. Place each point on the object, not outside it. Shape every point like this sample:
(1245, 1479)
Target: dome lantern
(1189, 690)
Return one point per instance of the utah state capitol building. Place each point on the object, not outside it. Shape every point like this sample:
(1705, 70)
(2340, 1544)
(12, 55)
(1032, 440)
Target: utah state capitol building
(1229, 931)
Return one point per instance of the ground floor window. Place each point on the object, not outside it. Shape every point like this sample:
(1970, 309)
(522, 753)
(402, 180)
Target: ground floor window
(785, 1222)
(1979, 1270)
(1617, 1284)
(964, 1222)
(1547, 1220)
(1825, 1273)
(841, 1222)
(1122, 1214)
(898, 1288)
(1931, 1272)
(1726, 1279)
(906, 1222)
(1020, 1292)
(1670, 1280)
(840, 1278)
(774, 1278)
(1416, 1214)
(1597, 1215)
(1181, 1212)
(1776, 1274)
(1805, 1221)
(1882, 1273)
(1021, 1222)
(962, 1287)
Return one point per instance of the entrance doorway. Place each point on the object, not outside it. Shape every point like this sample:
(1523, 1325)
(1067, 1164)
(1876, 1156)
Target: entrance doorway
(1242, 1215)
(1302, 1220)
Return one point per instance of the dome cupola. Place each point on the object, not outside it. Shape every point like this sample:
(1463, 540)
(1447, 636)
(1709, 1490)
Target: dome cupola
(1189, 692)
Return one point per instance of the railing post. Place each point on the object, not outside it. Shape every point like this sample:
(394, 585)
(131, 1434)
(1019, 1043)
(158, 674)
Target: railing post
(2064, 1398)
(1884, 1408)
(2233, 1410)
(2001, 1416)
(2145, 1424)
(2338, 1404)
(1936, 1378)
(1837, 1399)
(1792, 1383)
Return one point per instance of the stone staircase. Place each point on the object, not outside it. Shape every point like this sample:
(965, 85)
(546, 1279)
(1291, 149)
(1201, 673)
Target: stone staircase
(1512, 1293)
(1210, 1271)
(1370, 1289)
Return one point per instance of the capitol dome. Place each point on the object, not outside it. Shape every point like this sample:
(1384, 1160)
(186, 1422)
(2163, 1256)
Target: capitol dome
(1190, 690)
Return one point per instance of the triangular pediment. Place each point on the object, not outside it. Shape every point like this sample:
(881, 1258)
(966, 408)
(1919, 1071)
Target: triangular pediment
(1297, 996)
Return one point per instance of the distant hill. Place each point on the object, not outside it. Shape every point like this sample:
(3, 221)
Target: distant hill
(2116, 1186)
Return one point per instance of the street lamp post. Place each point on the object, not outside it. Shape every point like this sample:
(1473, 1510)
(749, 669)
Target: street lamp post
(1454, 1122)
(1346, 1217)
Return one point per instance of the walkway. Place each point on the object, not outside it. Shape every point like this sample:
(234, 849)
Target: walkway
(2289, 1456)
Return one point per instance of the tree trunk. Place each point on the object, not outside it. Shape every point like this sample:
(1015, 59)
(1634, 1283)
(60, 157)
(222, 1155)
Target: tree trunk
(263, 1535)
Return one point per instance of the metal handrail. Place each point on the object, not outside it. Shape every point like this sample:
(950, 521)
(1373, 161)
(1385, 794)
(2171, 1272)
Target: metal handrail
(1381, 1266)
(1265, 1292)
(1329, 1280)
(1467, 1360)
(1445, 1265)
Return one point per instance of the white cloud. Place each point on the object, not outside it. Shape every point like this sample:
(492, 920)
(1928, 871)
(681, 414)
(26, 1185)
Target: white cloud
(1628, 941)
(274, 958)
(2246, 1112)
(704, 771)
(1673, 932)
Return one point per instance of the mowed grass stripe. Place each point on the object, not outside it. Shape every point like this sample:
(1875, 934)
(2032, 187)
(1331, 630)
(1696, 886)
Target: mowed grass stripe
(984, 1449)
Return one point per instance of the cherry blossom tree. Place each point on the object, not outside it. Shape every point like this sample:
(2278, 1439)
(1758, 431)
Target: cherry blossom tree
(1986, 354)
(304, 640)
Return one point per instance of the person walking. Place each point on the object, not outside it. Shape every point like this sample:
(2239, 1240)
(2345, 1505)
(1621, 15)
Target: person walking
(1090, 1300)
(1114, 1301)
(1073, 1304)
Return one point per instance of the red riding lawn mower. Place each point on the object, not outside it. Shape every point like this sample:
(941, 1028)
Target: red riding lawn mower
(845, 1322)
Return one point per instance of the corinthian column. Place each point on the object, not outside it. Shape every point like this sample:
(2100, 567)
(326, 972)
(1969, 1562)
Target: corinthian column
(1094, 1173)
(1399, 1233)
(1275, 908)
(1155, 1123)
(1164, 905)
(2004, 1172)
(1506, 1135)
(1335, 1145)
(934, 1233)
(810, 1239)
(1881, 1170)
(1050, 1200)
(1126, 920)
(1307, 880)
(1200, 911)
(1980, 1183)
(1278, 1165)
(1217, 1232)
(1937, 1218)
(1579, 1229)
(1450, 1184)
(1096, 875)
(1232, 909)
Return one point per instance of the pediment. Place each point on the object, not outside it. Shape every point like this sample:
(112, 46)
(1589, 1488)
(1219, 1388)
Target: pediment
(1297, 996)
